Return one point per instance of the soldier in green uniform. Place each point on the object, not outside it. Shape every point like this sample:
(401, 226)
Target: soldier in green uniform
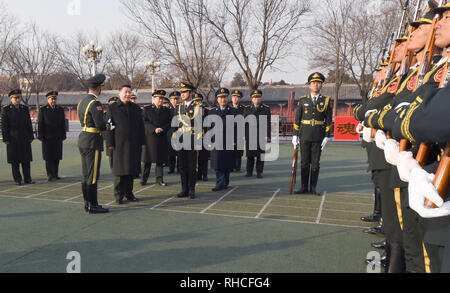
(173, 155)
(17, 132)
(187, 112)
(157, 119)
(255, 151)
(52, 133)
(90, 142)
(312, 129)
(236, 97)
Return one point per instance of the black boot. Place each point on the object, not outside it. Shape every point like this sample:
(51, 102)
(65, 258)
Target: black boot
(378, 229)
(397, 262)
(305, 181)
(379, 245)
(314, 179)
(94, 208)
(85, 196)
(375, 217)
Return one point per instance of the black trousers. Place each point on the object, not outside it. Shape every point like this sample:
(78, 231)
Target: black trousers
(90, 163)
(310, 154)
(202, 169)
(251, 165)
(123, 186)
(188, 169)
(412, 240)
(173, 162)
(52, 168)
(238, 161)
(26, 169)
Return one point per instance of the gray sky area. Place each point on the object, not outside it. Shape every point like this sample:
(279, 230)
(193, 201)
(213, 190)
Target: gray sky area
(101, 17)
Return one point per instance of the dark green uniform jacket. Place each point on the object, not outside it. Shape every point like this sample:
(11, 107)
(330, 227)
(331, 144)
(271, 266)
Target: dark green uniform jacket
(90, 112)
(313, 121)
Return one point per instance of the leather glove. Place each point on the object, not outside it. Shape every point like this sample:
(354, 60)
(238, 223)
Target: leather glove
(325, 142)
(111, 125)
(380, 139)
(391, 151)
(367, 134)
(295, 141)
(405, 164)
(420, 188)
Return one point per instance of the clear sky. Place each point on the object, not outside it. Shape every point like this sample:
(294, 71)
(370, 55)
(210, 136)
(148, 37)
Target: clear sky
(101, 17)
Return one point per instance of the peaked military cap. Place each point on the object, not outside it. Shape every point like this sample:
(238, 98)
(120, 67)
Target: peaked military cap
(429, 15)
(159, 93)
(198, 97)
(442, 9)
(96, 80)
(52, 94)
(237, 93)
(316, 76)
(113, 100)
(402, 39)
(15, 93)
(174, 95)
(186, 87)
(222, 92)
(256, 94)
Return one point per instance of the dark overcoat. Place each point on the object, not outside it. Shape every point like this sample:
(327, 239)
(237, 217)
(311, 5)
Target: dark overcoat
(52, 132)
(223, 160)
(257, 112)
(157, 148)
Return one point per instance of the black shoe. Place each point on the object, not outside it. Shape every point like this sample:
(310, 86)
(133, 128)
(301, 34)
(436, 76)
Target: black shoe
(119, 201)
(382, 262)
(218, 188)
(86, 206)
(191, 194)
(143, 183)
(303, 190)
(161, 183)
(132, 198)
(51, 179)
(30, 182)
(182, 195)
(314, 191)
(205, 179)
(259, 176)
(171, 172)
(97, 210)
(379, 245)
(58, 178)
(371, 219)
(375, 230)
(248, 175)
(18, 183)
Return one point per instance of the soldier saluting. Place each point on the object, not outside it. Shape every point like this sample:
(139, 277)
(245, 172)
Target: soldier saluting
(17, 133)
(312, 127)
(52, 133)
(90, 142)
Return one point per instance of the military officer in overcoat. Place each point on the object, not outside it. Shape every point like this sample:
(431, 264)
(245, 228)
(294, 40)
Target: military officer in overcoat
(126, 141)
(17, 131)
(52, 133)
(173, 155)
(222, 156)
(236, 97)
(157, 120)
(312, 130)
(90, 142)
(255, 149)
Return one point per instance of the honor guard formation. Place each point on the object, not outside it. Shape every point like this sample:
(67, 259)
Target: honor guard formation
(406, 131)
(404, 123)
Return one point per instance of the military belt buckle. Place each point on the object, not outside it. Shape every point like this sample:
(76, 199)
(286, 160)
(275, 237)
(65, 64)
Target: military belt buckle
(313, 123)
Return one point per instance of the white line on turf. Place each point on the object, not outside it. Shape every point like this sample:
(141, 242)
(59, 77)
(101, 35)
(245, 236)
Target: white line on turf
(55, 189)
(137, 192)
(268, 203)
(217, 201)
(321, 207)
(80, 195)
(160, 204)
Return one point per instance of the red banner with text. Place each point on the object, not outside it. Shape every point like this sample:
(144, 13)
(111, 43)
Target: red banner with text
(345, 128)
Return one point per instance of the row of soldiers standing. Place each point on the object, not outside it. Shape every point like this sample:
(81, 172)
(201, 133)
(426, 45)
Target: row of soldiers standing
(411, 106)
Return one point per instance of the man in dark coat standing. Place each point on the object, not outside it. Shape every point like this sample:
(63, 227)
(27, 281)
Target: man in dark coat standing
(17, 132)
(52, 133)
(157, 119)
(173, 155)
(125, 140)
(223, 156)
(255, 152)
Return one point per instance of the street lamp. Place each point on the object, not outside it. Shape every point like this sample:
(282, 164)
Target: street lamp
(93, 55)
(153, 66)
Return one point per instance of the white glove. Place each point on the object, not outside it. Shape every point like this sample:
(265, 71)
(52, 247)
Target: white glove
(391, 151)
(111, 126)
(405, 164)
(358, 127)
(420, 188)
(380, 139)
(295, 141)
(325, 142)
(367, 134)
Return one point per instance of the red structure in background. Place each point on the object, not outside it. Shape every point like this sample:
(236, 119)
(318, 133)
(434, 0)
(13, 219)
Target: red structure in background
(345, 129)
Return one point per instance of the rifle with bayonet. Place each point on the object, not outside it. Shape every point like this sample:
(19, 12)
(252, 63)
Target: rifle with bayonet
(294, 170)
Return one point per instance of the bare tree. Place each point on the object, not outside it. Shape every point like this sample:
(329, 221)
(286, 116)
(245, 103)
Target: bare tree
(258, 33)
(72, 59)
(180, 38)
(33, 58)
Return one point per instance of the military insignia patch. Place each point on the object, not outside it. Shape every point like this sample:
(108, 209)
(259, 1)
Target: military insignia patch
(439, 75)
(393, 88)
(99, 108)
(222, 90)
(412, 83)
